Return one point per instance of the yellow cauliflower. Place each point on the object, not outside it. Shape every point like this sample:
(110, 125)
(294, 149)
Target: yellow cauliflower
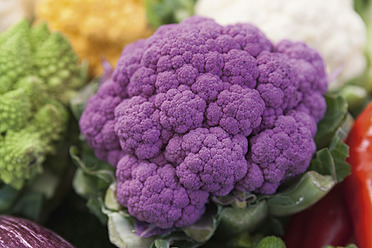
(97, 29)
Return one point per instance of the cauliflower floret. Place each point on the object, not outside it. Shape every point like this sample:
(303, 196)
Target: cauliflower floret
(332, 27)
(153, 193)
(101, 136)
(236, 110)
(277, 153)
(208, 159)
(214, 108)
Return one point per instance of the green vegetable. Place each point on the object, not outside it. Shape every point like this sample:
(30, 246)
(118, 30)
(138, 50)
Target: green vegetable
(271, 242)
(39, 73)
(159, 12)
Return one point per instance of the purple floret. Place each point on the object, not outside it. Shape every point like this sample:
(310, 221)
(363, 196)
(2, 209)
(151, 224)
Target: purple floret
(236, 110)
(280, 153)
(97, 122)
(137, 127)
(153, 194)
(198, 110)
(277, 85)
(180, 110)
(209, 159)
(311, 74)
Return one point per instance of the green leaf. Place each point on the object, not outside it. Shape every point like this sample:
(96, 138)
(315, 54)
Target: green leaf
(323, 163)
(332, 159)
(91, 180)
(83, 184)
(159, 12)
(176, 239)
(237, 199)
(8, 195)
(334, 117)
(45, 183)
(111, 201)
(80, 100)
(272, 226)
(234, 220)
(244, 240)
(310, 188)
(161, 243)
(348, 246)
(95, 206)
(355, 95)
(121, 233)
(340, 151)
(203, 229)
(271, 242)
(29, 205)
(92, 166)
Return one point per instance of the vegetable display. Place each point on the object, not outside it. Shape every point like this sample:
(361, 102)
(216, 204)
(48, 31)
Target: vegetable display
(39, 73)
(341, 41)
(357, 187)
(202, 124)
(97, 30)
(23, 233)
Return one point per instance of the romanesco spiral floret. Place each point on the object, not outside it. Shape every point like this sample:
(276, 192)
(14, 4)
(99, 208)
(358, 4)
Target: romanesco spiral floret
(15, 57)
(24, 151)
(35, 90)
(39, 34)
(57, 65)
(21, 156)
(15, 110)
(38, 74)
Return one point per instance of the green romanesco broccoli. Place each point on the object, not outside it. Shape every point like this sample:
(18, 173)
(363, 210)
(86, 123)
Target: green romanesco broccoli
(39, 73)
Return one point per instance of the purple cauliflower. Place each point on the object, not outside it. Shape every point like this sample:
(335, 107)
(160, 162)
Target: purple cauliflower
(199, 110)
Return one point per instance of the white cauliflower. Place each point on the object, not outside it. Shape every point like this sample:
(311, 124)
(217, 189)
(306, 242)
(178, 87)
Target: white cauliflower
(332, 27)
(12, 11)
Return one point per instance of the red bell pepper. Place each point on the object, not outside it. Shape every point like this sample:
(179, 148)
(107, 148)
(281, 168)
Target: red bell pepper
(325, 223)
(358, 186)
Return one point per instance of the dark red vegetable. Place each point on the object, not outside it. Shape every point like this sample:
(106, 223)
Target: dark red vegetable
(22, 233)
(358, 186)
(325, 223)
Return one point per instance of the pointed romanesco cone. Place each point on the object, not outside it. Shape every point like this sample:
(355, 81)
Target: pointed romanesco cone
(39, 73)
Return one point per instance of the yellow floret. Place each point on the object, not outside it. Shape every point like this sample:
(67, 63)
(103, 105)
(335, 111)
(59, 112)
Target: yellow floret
(97, 29)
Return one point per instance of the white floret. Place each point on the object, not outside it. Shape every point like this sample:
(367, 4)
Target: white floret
(332, 27)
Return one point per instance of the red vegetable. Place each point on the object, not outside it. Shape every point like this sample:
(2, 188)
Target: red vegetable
(325, 223)
(358, 186)
(21, 233)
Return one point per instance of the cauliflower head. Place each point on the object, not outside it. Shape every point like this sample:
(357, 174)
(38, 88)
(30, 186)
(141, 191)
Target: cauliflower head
(332, 27)
(199, 110)
(38, 74)
(96, 29)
